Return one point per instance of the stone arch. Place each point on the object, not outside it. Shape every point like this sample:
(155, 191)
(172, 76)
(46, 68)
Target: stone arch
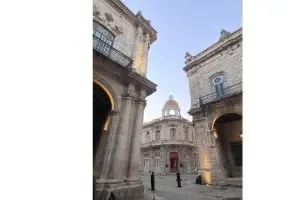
(221, 115)
(227, 134)
(110, 94)
(100, 80)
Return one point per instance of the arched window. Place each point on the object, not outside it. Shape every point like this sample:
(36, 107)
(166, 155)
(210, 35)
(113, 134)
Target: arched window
(103, 38)
(157, 135)
(218, 85)
(173, 134)
(148, 136)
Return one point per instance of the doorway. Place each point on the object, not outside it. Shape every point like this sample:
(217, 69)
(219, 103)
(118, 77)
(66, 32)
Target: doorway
(228, 131)
(174, 162)
(101, 108)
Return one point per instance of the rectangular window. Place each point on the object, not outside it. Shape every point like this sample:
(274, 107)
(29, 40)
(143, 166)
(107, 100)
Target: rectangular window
(157, 137)
(186, 135)
(157, 162)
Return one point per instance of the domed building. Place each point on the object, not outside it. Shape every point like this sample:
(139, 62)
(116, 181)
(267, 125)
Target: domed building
(168, 143)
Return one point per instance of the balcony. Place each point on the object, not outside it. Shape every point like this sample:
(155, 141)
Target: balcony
(100, 47)
(168, 143)
(218, 96)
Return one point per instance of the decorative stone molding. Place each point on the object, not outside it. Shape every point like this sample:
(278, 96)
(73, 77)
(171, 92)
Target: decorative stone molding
(128, 97)
(109, 17)
(221, 73)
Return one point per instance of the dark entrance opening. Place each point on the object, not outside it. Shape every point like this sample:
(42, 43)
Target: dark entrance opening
(174, 162)
(228, 129)
(101, 109)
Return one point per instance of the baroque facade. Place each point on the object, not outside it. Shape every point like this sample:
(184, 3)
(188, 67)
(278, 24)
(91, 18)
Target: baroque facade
(121, 42)
(215, 82)
(168, 143)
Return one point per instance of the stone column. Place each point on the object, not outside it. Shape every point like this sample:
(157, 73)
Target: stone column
(218, 173)
(120, 158)
(133, 172)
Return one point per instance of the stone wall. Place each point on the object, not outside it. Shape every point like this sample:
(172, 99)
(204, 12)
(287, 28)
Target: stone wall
(229, 61)
(224, 57)
(130, 39)
(164, 126)
(125, 37)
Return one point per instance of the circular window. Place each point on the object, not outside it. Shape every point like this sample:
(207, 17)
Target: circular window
(172, 112)
(217, 79)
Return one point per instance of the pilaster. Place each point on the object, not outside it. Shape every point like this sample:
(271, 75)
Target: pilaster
(145, 54)
(134, 165)
(137, 56)
(121, 156)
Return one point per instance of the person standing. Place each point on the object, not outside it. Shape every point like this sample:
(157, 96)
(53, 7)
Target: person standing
(152, 181)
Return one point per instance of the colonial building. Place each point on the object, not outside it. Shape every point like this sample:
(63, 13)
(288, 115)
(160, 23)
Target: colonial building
(215, 82)
(168, 143)
(121, 42)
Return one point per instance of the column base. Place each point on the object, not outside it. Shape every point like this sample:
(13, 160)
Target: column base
(218, 178)
(119, 191)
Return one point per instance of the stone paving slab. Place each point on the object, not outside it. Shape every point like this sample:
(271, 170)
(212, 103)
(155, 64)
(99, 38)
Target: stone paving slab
(166, 189)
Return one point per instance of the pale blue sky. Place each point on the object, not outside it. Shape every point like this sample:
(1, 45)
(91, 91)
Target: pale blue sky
(182, 26)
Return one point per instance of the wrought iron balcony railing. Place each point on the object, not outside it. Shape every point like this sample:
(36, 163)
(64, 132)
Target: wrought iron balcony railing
(99, 46)
(220, 95)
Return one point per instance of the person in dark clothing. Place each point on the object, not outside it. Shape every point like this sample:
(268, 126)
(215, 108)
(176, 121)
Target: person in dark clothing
(178, 179)
(152, 181)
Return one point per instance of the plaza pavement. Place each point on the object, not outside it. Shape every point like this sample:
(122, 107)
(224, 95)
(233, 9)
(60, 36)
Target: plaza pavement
(166, 189)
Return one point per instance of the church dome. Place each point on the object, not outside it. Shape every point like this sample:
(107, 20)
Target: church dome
(171, 108)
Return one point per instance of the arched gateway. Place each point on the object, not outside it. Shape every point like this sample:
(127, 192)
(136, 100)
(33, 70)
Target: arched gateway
(228, 133)
(102, 106)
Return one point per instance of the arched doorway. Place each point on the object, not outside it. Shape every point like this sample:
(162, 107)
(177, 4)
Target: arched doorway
(102, 106)
(228, 131)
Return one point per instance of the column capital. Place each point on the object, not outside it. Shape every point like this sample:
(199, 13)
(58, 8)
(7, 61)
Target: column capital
(128, 97)
(141, 102)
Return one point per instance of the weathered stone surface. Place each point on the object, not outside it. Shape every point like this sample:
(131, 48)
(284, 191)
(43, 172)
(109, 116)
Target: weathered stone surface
(115, 171)
(222, 59)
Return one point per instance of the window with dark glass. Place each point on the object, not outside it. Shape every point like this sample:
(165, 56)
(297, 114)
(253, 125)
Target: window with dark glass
(103, 38)
(218, 85)
(157, 136)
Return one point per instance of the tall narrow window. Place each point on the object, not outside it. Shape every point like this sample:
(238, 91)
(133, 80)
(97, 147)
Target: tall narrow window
(157, 160)
(102, 39)
(186, 135)
(218, 85)
(148, 137)
(157, 135)
(173, 134)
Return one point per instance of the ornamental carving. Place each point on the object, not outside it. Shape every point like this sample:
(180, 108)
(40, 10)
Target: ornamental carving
(107, 20)
(109, 17)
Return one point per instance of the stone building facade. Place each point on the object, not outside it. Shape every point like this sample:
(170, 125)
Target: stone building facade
(168, 143)
(215, 82)
(121, 42)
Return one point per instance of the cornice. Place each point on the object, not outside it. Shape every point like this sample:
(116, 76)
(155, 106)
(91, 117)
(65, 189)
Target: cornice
(137, 20)
(145, 83)
(214, 49)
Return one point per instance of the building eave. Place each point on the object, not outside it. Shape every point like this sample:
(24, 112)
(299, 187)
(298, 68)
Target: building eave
(138, 20)
(214, 49)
